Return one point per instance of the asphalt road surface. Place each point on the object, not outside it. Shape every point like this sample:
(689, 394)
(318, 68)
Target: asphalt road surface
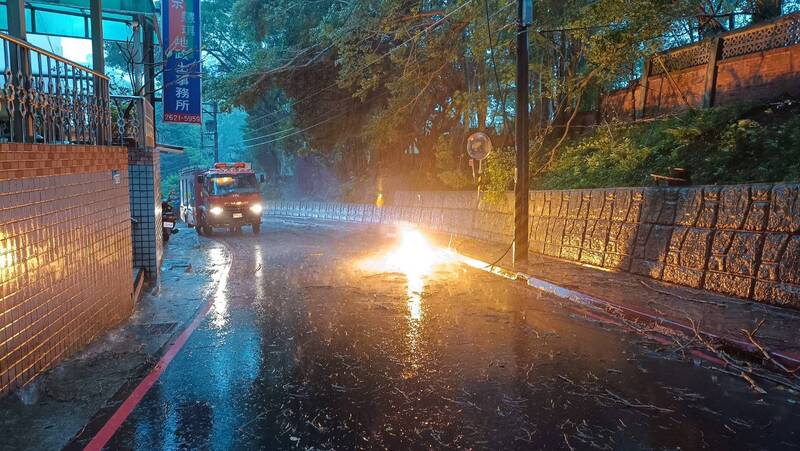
(331, 336)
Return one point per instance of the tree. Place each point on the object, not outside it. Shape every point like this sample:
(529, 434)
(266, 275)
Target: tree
(390, 89)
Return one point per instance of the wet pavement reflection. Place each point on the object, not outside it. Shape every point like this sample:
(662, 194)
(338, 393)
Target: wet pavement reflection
(327, 336)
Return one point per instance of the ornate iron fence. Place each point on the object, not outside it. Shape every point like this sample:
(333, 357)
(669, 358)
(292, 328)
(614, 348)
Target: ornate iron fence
(45, 98)
(132, 122)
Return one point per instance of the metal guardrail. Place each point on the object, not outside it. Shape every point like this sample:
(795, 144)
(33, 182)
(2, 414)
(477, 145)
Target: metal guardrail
(45, 98)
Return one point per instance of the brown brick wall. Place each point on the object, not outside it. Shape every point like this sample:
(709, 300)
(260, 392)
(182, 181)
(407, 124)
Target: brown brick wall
(760, 76)
(663, 97)
(620, 104)
(36, 160)
(65, 253)
(756, 77)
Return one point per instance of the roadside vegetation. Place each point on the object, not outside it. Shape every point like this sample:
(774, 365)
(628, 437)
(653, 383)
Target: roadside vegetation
(746, 143)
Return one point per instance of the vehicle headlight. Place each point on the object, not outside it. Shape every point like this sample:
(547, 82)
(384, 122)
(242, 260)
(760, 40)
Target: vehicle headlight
(216, 211)
(256, 208)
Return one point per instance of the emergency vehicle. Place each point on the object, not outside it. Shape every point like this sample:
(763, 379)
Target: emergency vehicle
(227, 195)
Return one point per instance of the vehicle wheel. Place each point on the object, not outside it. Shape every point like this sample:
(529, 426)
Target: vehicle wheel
(200, 229)
(208, 230)
(256, 228)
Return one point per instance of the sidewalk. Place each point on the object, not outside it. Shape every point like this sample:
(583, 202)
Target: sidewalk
(650, 303)
(51, 411)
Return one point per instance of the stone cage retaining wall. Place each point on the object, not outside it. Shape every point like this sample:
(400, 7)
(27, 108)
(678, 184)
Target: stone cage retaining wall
(65, 253)
(739, 240)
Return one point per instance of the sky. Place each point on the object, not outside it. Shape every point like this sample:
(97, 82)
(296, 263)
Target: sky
(73, 49)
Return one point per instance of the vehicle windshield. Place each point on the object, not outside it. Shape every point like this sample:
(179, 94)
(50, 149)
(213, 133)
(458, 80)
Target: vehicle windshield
(220, 185)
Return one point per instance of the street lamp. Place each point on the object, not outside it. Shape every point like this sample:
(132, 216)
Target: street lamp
(524, 19)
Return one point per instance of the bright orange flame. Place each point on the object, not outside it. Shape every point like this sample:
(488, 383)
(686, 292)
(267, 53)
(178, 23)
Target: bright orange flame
(415, 257)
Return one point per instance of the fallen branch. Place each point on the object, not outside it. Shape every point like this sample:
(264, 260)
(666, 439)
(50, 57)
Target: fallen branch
(741, 370)
(751, 336)
(699, 301)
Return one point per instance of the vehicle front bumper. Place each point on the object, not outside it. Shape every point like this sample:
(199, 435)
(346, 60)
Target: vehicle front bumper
(232, 218)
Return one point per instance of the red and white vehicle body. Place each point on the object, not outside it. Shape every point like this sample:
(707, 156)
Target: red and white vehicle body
(227, 195)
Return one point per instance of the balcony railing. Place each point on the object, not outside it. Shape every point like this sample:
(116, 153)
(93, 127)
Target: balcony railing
(45, 98)
(132, 122)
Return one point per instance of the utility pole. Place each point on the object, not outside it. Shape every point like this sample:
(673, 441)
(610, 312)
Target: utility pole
(213, 126)
(214, 113)
(524, 18)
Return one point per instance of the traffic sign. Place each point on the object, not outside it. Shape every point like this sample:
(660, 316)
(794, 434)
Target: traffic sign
(479, 146)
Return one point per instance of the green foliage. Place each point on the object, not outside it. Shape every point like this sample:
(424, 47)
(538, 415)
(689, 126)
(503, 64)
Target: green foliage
(719, 145)
(170, 184)
(498, 169)
(498, 174)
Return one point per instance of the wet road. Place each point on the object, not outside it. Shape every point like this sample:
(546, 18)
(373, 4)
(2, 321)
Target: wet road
(326, 336)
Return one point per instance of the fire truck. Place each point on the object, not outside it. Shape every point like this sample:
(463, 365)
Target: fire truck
(227, 195)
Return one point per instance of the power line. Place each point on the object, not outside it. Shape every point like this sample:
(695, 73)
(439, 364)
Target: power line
(297, 132)
(500, 90)
(267, 135)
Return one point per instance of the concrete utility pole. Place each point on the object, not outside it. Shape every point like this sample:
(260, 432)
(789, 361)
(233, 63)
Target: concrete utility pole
(214, 126)
(524, 17)
(214, 113)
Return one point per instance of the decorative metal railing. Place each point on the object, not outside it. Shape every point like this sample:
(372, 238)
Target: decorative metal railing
(132, 122)
(45, 98)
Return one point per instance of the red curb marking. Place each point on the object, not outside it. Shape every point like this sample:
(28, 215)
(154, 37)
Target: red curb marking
(101, 439)
(110, 428)
(579, 298)
(585, 299)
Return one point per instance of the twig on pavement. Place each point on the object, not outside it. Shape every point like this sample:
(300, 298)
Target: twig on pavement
(632, 405)
(567, 442)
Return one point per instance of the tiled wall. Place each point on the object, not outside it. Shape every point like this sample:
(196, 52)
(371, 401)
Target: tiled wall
(145, 204)
(65, 254)
(740, 240)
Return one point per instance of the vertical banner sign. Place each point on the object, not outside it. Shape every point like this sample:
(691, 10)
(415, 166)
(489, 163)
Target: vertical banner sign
(181, 35)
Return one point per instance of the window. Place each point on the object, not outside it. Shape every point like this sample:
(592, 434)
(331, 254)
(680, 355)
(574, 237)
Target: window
(221, 185)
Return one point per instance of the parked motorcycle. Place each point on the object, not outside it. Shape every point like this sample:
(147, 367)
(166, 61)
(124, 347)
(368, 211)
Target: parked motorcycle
(169, 219)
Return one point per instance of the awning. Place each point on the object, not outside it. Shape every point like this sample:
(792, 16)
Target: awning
(123, 6)
(169, 148)
(70, 18)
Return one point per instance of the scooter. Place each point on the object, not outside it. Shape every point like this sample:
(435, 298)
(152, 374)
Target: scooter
(169, 219)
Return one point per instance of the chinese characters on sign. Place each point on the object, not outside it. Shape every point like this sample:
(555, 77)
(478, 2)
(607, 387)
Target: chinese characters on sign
(181, 33)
